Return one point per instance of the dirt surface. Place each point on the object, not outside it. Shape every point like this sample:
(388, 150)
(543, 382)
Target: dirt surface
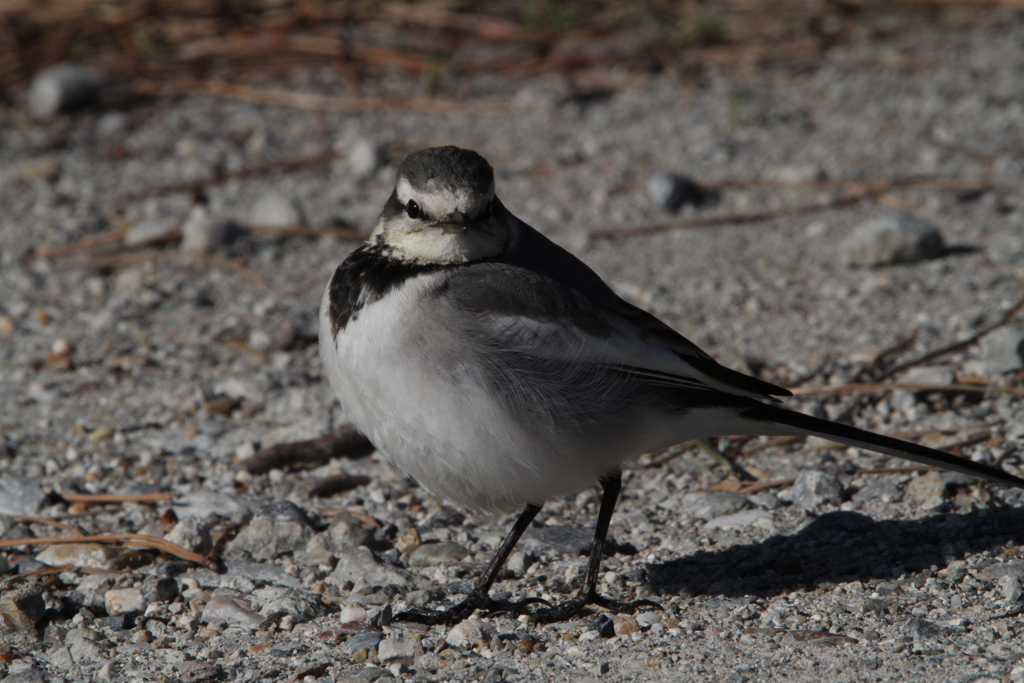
(134, 366)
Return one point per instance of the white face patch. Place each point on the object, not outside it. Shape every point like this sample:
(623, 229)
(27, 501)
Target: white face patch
(438, 202)
(423, 239)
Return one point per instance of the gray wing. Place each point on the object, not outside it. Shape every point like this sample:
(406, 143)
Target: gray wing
(535, 315)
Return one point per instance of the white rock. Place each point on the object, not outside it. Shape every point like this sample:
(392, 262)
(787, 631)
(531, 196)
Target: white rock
(1004, 349)
(148, 231)
(470, 632)
(202, 233)
(233, 609)
(63, 87)
(353, 612)
(929, 374)
(275, 210)
(363, 158)
(124, 600)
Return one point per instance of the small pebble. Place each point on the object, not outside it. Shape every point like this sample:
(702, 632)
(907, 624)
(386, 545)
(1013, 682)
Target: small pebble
(896, 238)
(711, 504)
(202, 233)
(20, 495)
(124, 600)
(814, 487)
(398, 648)
(352, 613)
(63, 87)
(277, 211)
(671, 191)
(192, 534)
(232, 609)
(432, 554)
(625, 625)
(471, 632)
(1003, 350)
(363, 158)
(149, 232)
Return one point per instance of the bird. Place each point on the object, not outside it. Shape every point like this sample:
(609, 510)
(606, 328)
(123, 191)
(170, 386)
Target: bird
(500, 372)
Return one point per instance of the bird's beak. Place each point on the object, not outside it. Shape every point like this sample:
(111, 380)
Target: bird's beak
(456, 223)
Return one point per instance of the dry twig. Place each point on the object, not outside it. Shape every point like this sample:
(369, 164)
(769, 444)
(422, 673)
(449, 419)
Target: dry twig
(104, 498)
(133, 540)
(341, 443)
(284, 98)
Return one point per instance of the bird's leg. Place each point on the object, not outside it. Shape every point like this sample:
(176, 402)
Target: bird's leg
(480, 598)
(612, 484)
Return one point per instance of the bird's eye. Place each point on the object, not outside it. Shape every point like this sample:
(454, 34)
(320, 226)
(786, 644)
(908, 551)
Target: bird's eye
(413, 209)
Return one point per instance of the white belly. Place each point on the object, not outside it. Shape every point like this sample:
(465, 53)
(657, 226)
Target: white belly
(440, 424)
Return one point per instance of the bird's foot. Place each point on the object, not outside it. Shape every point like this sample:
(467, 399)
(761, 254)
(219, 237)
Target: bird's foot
(472, 603)
(571, 608)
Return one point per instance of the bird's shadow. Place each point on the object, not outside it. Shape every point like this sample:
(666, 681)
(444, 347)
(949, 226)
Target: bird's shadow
(838, 547)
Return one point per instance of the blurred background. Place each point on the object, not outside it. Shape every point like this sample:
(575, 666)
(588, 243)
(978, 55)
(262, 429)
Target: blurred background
(826, 193)
(374, 45)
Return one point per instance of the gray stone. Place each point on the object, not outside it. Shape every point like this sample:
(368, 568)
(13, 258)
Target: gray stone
(232, 609)
(814, 487)
(924, 629)
(671, 191)
(471, 632)
(277, 211)
(995, 572)
(929, 374)
(25, 676)
(431, 554)
(360, 563)
(111, 123)
(1004, 350)
(124, 600)
(344, 533)
(1010, 588)
(365, 640)
(160, 589)
(363, 158)
(202, 233)
(61, 658)
(300, 604)
(21, 608)
(204, 503)
(20, 495)
(738, 520)
(148, 232)
(63, 87)
(566, 540)
(192, 534)
(195, 671)
(86, 646)
(92, 555)
(711, 504)
(398, 648)
(882, 489)
(927, 491)
(897, 238)
(276, 528)
(239, 570)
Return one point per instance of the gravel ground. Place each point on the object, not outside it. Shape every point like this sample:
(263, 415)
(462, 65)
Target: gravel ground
(159, 369)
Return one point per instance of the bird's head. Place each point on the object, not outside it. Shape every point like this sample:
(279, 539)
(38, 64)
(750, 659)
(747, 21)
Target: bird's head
(443, 209)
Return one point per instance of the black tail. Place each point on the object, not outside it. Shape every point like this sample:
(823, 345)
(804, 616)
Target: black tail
(791, 422)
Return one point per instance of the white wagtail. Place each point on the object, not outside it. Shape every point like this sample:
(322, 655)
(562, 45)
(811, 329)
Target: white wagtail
(500, 371)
